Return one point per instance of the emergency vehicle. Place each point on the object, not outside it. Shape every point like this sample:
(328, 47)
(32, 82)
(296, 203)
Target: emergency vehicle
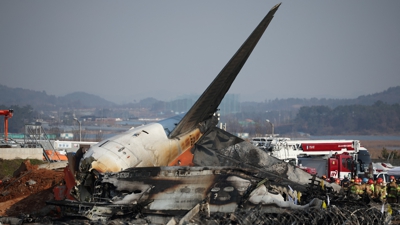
(333, 158)
(265, 143)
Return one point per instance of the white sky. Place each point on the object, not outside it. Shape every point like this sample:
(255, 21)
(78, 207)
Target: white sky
(128, 50)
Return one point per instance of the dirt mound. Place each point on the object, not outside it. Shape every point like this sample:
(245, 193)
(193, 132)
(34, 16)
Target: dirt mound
(28, 190)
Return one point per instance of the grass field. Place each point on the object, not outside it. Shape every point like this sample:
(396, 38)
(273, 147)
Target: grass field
(7, 167)
(375, 147)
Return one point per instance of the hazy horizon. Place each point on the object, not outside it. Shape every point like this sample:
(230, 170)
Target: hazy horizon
(125, 51)
(196, 96)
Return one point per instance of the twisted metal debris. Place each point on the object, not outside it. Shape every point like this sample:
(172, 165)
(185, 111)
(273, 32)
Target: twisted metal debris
(340, 210)
(332, 215)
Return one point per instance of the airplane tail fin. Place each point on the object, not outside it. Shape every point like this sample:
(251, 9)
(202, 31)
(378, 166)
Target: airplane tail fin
(207, 104)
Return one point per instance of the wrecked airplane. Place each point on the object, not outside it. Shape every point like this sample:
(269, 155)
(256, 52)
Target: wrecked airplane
(175, 169)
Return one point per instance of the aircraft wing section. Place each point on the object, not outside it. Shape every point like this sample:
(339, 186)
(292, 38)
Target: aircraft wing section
(208, 102)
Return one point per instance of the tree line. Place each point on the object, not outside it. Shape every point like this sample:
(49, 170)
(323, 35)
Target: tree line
(379, 118)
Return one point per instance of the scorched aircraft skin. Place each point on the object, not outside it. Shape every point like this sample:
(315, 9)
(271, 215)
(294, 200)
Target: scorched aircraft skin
(170, 167)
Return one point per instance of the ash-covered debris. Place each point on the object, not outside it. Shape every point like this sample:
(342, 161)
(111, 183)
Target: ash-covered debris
(220, 148)
(236, 196)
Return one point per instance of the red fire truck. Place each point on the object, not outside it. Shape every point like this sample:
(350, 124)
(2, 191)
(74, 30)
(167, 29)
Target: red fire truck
(333, 158)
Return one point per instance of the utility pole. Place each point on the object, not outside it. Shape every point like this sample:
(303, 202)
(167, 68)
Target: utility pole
(272, 127)
(80, 129)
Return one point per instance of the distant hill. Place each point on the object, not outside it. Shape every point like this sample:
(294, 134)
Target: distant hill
(40, 100)
(20, 96)
(86, 100)
(389, 96)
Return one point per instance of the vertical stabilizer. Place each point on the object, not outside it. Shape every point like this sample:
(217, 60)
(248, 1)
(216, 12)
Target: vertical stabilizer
(208, 102)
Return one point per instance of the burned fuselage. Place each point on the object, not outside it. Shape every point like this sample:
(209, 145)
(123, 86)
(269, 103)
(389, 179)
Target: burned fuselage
(173, 191)
(132, 171)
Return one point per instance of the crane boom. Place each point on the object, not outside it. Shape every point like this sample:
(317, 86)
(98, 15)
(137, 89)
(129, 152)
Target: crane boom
(7, 114)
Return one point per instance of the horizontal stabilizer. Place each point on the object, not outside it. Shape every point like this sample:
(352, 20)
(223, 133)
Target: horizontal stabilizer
(208, 102)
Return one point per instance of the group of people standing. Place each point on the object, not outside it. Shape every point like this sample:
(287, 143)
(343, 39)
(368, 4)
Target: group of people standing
(377, 189)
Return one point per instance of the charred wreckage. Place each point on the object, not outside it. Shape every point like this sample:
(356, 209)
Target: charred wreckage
(185, 170)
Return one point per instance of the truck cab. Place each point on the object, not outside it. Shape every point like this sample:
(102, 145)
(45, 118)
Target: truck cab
(364, 160)
(259, 142)
(341, 165)
(383, 175)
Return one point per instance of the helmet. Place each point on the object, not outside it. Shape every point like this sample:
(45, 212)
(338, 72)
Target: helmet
(370, 181)
(392, 178)
(379, 181)
(323, 177)
(358, 180)
(352, 180)
(337, 181)
(365, 180)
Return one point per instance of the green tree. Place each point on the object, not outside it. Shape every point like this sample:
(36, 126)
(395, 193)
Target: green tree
(385, 153)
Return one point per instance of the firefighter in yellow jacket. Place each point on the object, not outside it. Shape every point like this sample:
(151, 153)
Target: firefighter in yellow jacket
(398, 192)
(391, 190)
(380, 190)
(369, 188)
(356, 188)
